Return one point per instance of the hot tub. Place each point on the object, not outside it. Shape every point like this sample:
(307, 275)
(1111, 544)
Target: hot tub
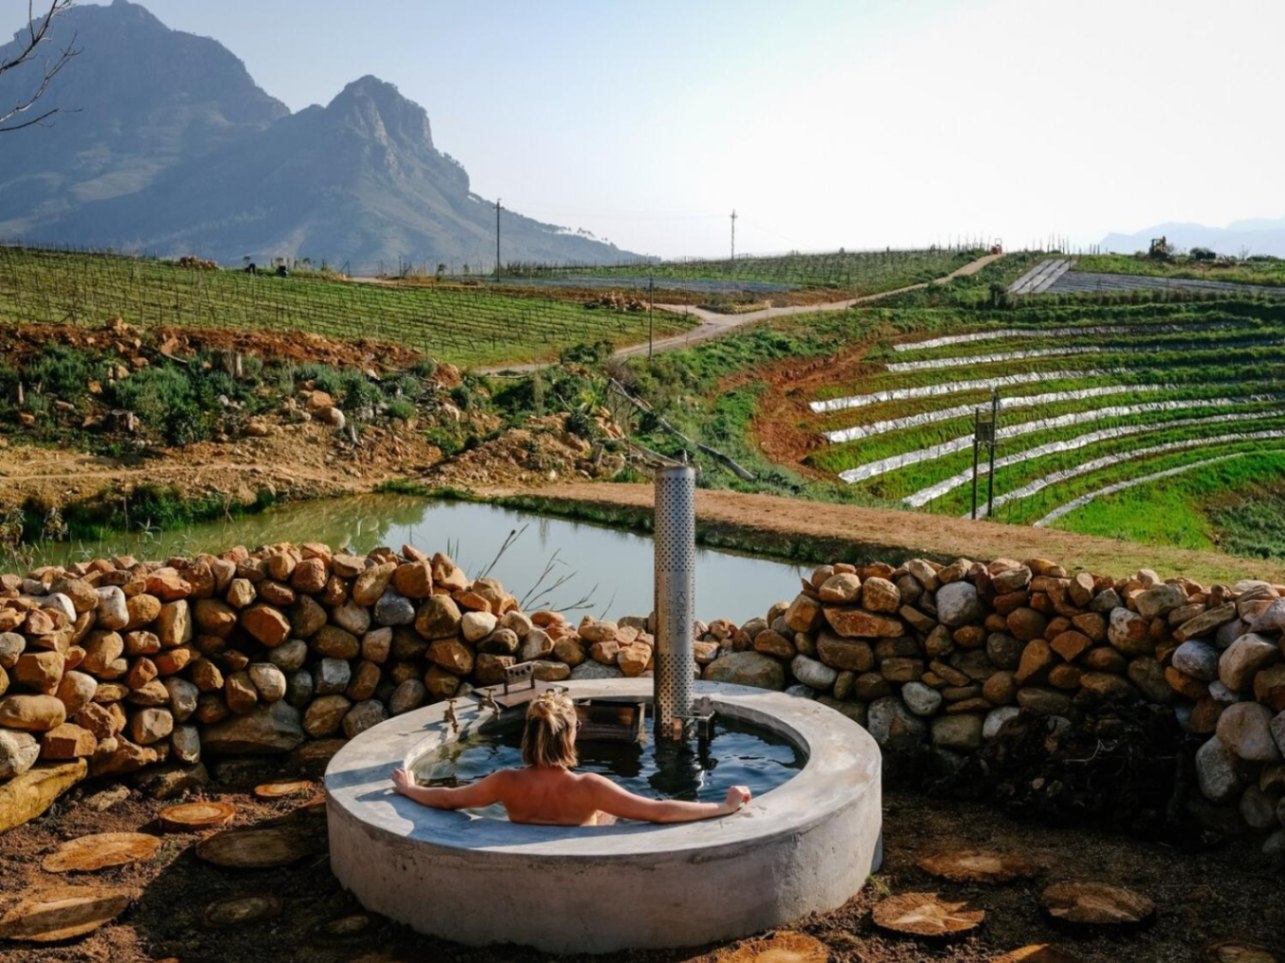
(806, 846)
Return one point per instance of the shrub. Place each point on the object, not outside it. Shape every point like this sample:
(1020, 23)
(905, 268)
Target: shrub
(323, 378)
(424, 368)
(164, 398)
(61, 371)
(401, 408)
(358, 391)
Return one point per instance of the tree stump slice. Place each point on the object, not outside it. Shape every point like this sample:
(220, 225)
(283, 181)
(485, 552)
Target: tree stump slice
(926, 915)
(192, 817)
(1235, 951)
(236, 912)
(346, 926)
(785, 946)
(1036, 953)
(977, 866)
(284, 788)
(1090, 904)
(63, 914)
(255, 848)
(88, 853)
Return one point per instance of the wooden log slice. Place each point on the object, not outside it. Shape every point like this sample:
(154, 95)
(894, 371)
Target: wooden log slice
(245, 909)
(926, 915)
(1036, 953)
(784, 946)
(88, 853)
(195, 816)
(977, 866)
(1090, 904)
(345, 926)
(62, 914)
(1236, 951)
(283, 788)
(255, 848)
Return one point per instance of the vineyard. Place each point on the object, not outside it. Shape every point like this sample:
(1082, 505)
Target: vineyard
(460, 324)
(1096, 406)
(855, 272)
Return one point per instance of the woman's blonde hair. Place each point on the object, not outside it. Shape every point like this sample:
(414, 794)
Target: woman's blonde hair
(549, 738)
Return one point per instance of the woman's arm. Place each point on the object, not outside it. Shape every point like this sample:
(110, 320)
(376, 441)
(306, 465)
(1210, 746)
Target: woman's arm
(613, 799)
(484, 792)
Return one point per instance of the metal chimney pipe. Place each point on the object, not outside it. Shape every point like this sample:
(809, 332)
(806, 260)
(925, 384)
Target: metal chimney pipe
(674, 540)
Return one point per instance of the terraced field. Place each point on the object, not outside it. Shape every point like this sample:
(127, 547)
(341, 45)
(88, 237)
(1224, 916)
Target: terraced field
(1118, 400)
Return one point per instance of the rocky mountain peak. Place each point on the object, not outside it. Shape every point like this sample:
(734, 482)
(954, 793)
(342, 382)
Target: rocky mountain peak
(377, 108)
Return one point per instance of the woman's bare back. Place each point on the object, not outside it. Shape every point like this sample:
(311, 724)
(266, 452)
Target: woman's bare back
(550, 796)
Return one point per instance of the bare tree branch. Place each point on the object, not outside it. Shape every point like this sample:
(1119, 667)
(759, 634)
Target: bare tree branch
(36, 34)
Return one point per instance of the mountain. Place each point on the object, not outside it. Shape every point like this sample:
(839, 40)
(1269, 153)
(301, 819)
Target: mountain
(165, 145)
(1258, 236)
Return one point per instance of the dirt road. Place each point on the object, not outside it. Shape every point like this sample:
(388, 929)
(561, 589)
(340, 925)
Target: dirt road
(714, 324)
(871, 533)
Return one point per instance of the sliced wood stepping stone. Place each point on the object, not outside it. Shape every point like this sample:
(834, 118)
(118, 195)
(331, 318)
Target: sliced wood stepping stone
(977, 866)
(279, 790)
(1234, 951)
(346, 926)
(927, 915)
(784, 946)
(62, 914)
(1089, 904)
(1036, 953)
(244, 909)
(261, 848)
(88, 853)
(195, 816)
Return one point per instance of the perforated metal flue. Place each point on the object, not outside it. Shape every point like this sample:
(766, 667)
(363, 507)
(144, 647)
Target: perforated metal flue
(675, 599)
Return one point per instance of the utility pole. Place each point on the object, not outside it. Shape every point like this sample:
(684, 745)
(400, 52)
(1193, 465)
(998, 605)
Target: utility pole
(497, 238)
(733, 234)
(651, 314)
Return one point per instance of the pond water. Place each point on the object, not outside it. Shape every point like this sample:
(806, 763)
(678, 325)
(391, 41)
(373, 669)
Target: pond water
(577, 567)
(737, 754)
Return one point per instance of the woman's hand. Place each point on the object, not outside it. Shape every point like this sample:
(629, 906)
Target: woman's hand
(402, 781)
(737, 796)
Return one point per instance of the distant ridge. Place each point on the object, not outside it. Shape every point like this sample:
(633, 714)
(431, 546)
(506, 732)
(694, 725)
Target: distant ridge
(1258, 236)
(164, 145)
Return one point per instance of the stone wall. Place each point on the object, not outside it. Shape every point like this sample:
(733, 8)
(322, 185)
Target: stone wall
(114, 665)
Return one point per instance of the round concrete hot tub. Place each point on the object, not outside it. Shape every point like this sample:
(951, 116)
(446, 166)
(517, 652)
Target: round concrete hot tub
(806, 846)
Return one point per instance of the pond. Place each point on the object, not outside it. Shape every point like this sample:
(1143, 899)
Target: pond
(578, 567)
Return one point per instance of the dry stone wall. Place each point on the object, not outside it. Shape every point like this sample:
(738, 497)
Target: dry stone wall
(111, 666)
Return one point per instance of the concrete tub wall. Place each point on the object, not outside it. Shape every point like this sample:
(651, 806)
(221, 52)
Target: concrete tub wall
(804, 847)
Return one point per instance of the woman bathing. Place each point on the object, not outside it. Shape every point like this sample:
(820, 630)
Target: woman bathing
(546, 791)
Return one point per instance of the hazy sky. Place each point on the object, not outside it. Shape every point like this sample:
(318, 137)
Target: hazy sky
(823, 123)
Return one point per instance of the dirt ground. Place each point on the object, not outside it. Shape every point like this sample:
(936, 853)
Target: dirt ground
(1230, 892)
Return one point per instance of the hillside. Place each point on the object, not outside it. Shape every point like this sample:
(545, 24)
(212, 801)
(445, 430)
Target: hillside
(1258, 236)
(164, 144)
